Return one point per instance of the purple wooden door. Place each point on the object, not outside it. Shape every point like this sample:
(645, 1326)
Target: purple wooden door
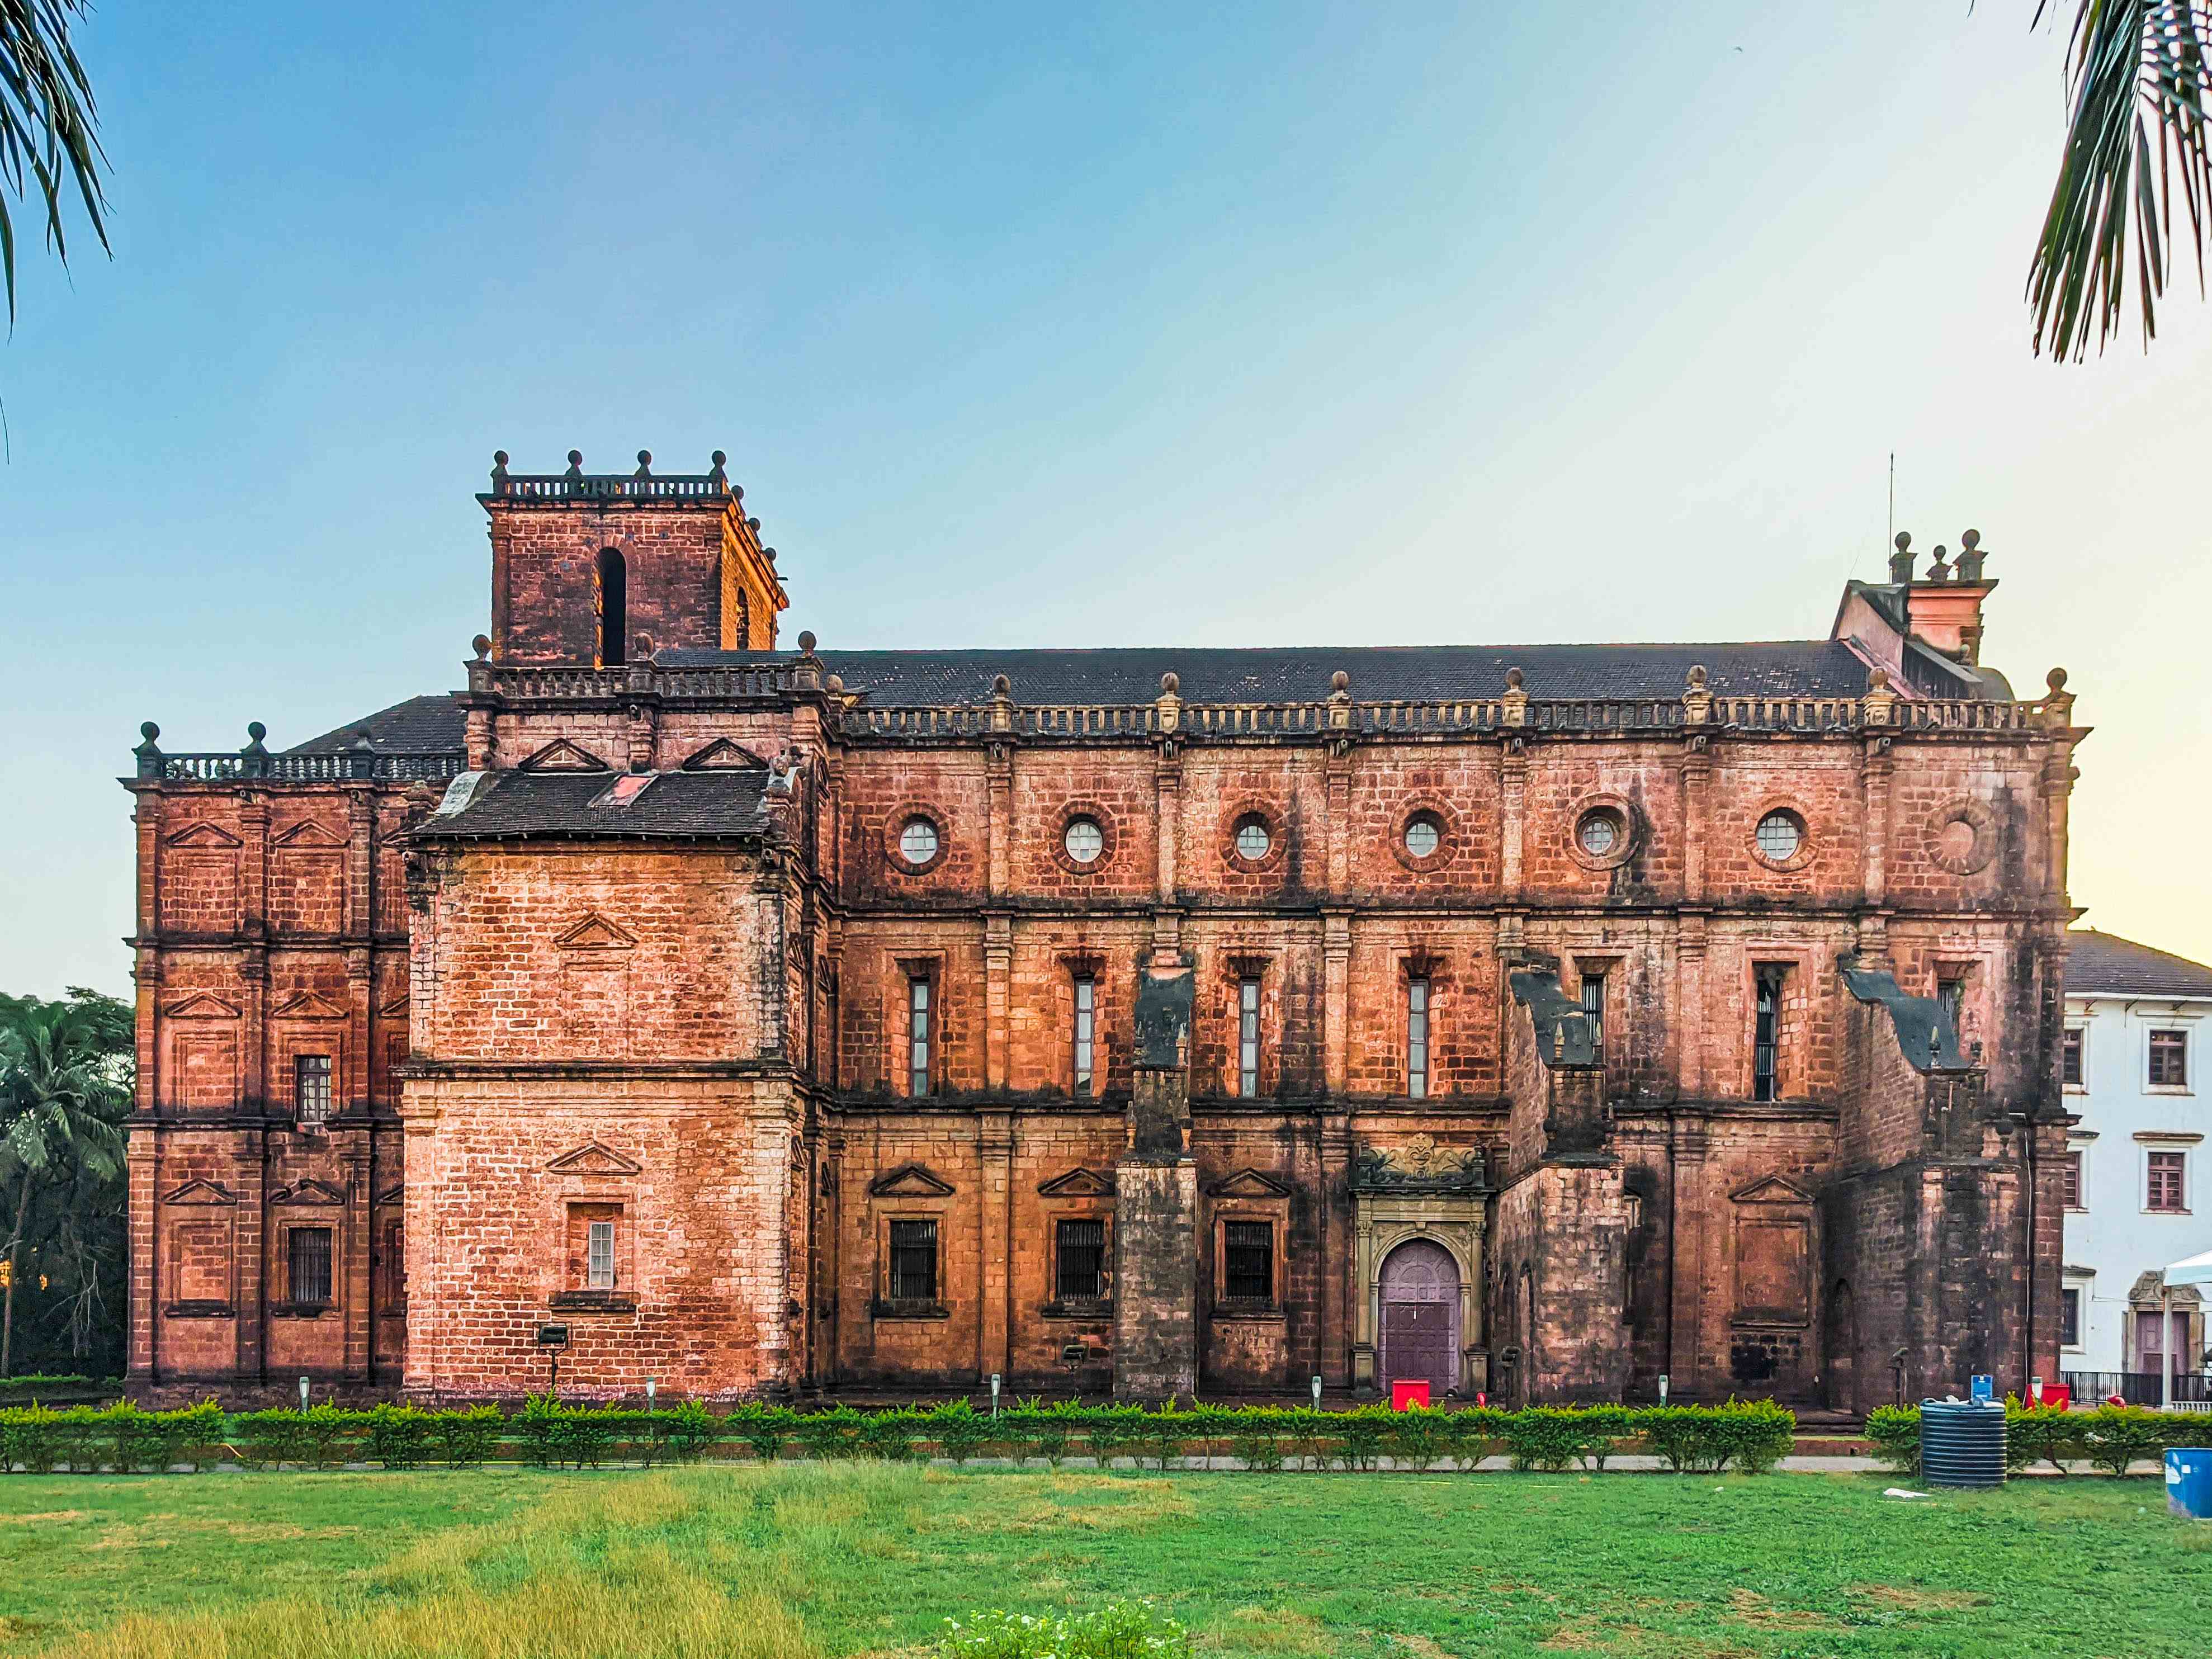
(1420, 1316)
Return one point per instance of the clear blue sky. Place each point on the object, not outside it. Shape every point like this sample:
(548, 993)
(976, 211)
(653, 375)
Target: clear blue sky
(1030, 325)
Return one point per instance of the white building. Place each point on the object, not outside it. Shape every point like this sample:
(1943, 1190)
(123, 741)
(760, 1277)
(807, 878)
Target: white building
(2139, 1190)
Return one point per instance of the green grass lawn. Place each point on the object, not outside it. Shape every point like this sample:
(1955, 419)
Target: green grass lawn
(743, 1563)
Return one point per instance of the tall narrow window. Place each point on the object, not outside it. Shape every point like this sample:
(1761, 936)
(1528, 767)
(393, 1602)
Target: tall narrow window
(1766, 1035)
(307, 1264)
(600, 1257)
(2069, 1317)
(1086, 1013)
(614, 608)
(914, 1261)
(1593, 1011)
(1248, 1038)
(2070, 1179)
(1417, 1038)
(311, 1081)
(920, 1015)
(1952, 993)
(2169, 1059)
(1079, 1246)
(2168, 1190)
(2070, 1059)
(1248, 1259)
(392, 1268)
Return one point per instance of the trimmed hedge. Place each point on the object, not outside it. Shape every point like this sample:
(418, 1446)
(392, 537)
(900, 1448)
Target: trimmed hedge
(1744, 1436)
(2111, 1438)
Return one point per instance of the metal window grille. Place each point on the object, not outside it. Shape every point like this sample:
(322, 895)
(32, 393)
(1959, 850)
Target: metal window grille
(2167, 1170)
(1247, 1262)
(1766, 1047)
(308, 1261)
(600, 1256)
(2069, 1057)
(1593, 1011)
(1082, 1258)
(1952, 993)
(2169, 1059)
(917, 1059)
(311, 1080)
(1417, 1038)
(1086, 1013)
(2070, 1180)
(1248, 1038)
(914, 1261)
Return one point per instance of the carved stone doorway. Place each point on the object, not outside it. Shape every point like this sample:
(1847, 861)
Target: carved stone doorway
(1421, 1300)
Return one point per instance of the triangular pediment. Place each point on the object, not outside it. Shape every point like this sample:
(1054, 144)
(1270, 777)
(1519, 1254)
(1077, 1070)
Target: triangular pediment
(562, 756)
(395, 1193)
(201, 1005)
(308, 1005)
(723, 755)
(909, 1181)
(310, 1191)
(395, 1009)
(1248, 1183)
(1771, 1189)
(593, 1158)
(1078, 1183)
(204, 835)
(309, 834)
(595, 932)
(204, 1192)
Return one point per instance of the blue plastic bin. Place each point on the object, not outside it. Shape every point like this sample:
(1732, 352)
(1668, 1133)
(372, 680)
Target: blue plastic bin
(2188, 1481)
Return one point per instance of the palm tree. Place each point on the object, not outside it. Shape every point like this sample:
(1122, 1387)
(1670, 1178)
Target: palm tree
(64, 1094)
(2137, 83)
(46, 118)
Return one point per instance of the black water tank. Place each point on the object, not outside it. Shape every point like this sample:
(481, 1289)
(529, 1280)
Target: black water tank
(1962, 1442)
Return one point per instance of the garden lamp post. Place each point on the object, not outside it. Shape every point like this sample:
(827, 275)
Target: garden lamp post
(303, 1394)
(995, 1394)
(1316, 1393)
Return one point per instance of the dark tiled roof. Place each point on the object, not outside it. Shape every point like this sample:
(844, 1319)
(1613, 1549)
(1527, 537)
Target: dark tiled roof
(2105, 964)
(419, 725)
(559, 807)
(1817, 668)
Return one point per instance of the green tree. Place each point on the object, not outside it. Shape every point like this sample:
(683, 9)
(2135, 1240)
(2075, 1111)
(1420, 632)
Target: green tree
(47, 145)
(65, 1094)
(2136, 148)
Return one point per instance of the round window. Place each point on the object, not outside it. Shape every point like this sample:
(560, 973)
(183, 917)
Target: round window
(1779, 836)
(1083, 840)
(1253, 840)
(918, 840)
(1424, 835)
(1598, 833)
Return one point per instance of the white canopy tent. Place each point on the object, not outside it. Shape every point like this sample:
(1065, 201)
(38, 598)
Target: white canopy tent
(2195, 1270)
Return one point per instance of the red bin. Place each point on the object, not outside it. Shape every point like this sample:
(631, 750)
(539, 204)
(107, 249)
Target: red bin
(1406, 1396)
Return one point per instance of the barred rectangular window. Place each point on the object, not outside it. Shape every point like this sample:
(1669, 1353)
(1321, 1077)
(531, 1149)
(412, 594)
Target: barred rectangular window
(917, 1035)
(1593, 1010)
(2169, 1059)
(914, 1261)
(1766, 1032)
(2168, 1189)
(1417, 1038)
(307, 1265)
(1248, 1038)
(1086, 1010)
(600, 1257)
(2070, 1059)
(1081, 1251)
(2070, 1180)
(311, 1086)
(1247, 1262)
(2070, 1318)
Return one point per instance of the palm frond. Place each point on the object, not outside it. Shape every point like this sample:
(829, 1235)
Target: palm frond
(2137, 85)
(46, 122)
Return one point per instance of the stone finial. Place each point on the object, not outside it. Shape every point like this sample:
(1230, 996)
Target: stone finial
(1339, 684)
(805, 641)
(1170, 684)
(361, 755)
(148, 750)
(2058, 701)
(1880, 699)
(1515, 699)
(1901, 562)
(1939, 571)
(255, 731)
(498, 472)
(646, 646)
(1169, 704)
(1695, 679)
(752, 524)
(717, 476)
(482, 646)
(644, 465)
(1002, 703)
(575, 463)
(1001, 686)
(835, 685)
(1971, 556)
(1697, 695)
(769, 553)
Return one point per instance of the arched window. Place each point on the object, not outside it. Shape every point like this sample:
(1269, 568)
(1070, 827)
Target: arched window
(614, 608)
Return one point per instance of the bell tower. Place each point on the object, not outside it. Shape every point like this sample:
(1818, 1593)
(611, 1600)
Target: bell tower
(598, 568)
